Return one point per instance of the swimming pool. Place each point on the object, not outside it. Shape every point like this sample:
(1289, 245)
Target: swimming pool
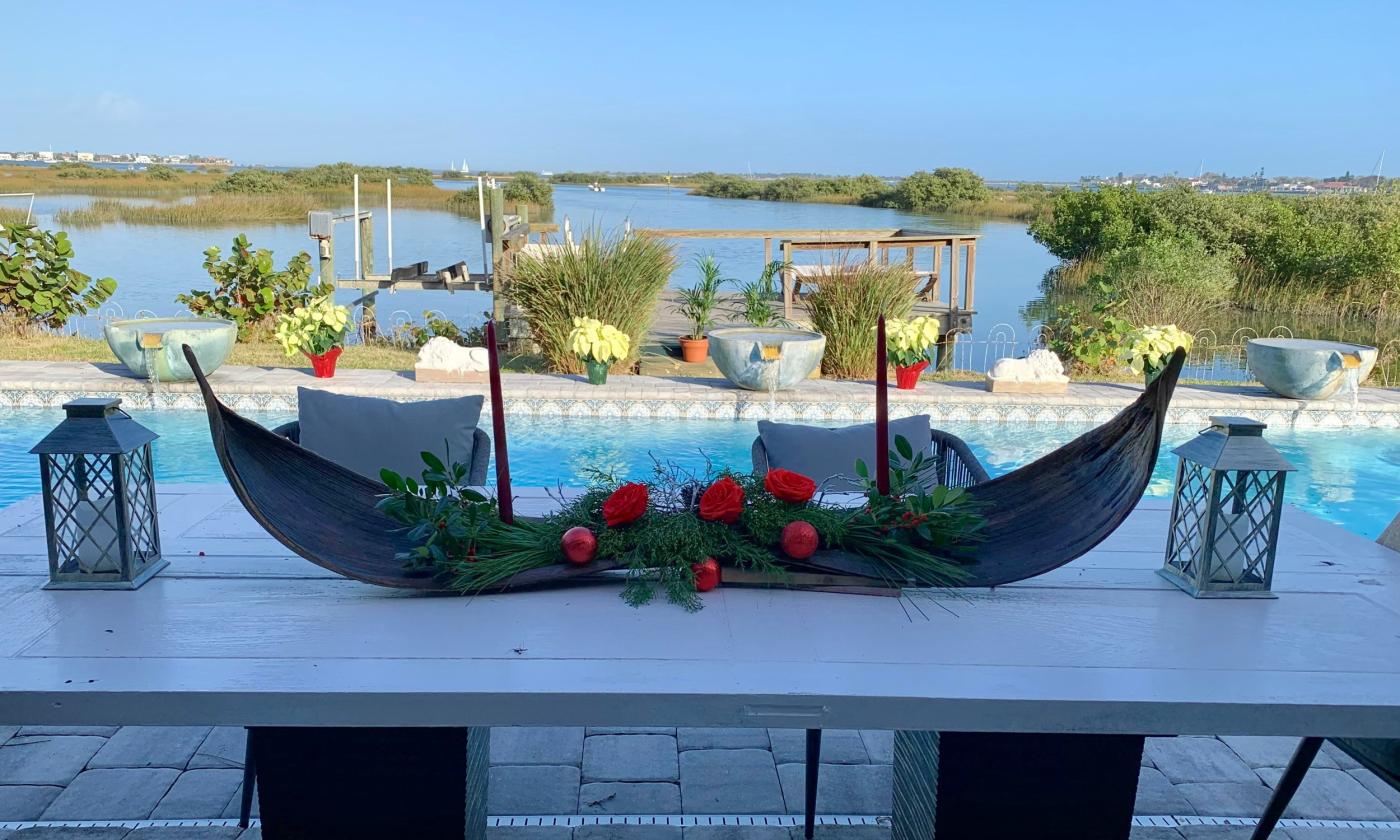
(1350, 477)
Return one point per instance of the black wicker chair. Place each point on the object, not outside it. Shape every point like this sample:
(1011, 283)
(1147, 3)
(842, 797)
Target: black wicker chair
(1379, 755)
(954, 466)
(481, 450)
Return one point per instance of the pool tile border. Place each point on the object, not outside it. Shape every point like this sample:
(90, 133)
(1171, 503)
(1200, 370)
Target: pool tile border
(51, 384)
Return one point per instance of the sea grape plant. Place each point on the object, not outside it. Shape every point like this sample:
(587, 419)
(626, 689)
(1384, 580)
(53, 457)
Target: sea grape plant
(38, 284)
(250, 290)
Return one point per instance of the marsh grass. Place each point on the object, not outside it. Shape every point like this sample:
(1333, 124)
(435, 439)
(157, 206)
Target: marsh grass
(208, 210)
(225, 208)
(616, 279)
(845, 306)
(73, 181)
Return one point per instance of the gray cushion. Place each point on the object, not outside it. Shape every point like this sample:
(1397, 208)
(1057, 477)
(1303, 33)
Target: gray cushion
(819, 453)
(366, 434)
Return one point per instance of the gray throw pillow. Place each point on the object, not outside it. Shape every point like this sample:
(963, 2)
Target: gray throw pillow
(367, 434)
(820, 453)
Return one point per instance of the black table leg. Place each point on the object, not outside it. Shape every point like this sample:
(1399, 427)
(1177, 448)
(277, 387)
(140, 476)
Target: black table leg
(250, 780)
(360, 783)
(1287, 786)
(1007, 786)
(814, 766)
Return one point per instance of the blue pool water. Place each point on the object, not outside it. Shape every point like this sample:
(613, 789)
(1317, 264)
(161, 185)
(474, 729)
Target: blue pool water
(1350, 477)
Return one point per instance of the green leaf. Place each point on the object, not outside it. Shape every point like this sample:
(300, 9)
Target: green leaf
(902, 445)
(433, 462)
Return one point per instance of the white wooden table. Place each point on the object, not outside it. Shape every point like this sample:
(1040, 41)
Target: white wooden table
(238, 631)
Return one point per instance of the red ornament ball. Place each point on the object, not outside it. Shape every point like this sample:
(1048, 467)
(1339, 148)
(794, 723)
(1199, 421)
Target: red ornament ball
(579, 545)
(799, 540)
(706, 574)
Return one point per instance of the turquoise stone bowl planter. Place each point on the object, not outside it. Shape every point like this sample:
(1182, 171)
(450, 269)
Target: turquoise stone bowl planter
(150, 347)
(766, 358)
(1306, 368)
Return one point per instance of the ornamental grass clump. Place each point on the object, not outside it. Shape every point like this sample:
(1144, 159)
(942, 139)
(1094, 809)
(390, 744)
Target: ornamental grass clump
(616, 280)
(845, 307)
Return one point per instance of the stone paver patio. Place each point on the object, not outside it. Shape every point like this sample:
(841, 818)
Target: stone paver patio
(55, 773)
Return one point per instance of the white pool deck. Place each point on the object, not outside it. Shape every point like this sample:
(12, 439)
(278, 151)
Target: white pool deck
(50, 384)
(237, 622)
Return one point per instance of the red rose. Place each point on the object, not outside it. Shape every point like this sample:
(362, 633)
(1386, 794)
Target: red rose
(626, 504)
(789, 486)
(722, 501)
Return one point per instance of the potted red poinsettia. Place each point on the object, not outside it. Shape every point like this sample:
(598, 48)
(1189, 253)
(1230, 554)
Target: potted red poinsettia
(910, 343)
(317, 331)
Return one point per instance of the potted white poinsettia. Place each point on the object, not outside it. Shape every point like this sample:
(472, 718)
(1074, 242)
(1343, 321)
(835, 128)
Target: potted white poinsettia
(317, 331)
(598, 346)
(1146, 350)
(909, 345)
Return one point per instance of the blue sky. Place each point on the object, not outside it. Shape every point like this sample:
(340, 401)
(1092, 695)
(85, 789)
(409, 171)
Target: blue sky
(1049, 90)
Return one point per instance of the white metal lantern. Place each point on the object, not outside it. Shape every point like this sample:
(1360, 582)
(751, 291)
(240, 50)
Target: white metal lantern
(99, 495)
(1225, 511)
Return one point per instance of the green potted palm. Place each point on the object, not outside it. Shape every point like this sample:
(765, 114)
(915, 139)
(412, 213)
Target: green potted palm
(697, 305)
(757, 302)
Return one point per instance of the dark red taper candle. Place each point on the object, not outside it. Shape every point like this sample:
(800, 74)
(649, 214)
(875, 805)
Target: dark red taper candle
(498, 426)
(882, 412)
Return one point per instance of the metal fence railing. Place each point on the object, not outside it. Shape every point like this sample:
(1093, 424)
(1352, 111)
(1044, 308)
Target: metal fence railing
(1212, 358)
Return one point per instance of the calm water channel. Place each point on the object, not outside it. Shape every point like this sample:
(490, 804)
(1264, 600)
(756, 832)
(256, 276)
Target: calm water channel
(152, 264)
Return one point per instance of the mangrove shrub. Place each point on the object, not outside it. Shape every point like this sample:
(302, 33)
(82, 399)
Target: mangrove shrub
(38, 284)
(529, 188)
(1319, 242)
(945, 188)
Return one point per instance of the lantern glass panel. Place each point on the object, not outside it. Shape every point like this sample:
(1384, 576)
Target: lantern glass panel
(87, 528)
(1188, 536)
(1244, 524)
(139, 477)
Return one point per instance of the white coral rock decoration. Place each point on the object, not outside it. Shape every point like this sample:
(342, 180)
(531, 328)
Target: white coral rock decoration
(442, 354)
(1039, 366)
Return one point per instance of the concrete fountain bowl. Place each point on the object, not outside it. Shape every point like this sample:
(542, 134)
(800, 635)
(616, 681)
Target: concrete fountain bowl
(150, 347)
(1307, 368)
(766, 358)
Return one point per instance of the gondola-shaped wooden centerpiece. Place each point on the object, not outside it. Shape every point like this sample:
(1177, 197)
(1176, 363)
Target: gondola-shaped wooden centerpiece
(1035, 518)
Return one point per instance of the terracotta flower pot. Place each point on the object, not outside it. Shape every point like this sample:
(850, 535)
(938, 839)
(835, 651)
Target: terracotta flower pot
(907, 376)
(597, 372)
(694, 350)
(323, 365)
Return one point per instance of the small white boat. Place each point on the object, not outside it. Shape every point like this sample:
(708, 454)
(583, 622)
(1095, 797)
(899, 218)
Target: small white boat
(597, 187)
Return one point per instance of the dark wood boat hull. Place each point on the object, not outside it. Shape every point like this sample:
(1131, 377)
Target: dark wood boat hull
(1039, 517)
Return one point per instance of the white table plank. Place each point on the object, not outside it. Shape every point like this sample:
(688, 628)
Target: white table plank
(249, 634)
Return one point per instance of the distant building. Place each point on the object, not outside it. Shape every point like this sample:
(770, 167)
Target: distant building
(6, 156)
(85, 157)
(48, 156)
(141, 159)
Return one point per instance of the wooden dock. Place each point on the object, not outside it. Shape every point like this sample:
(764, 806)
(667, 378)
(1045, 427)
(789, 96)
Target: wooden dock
(667, 326)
